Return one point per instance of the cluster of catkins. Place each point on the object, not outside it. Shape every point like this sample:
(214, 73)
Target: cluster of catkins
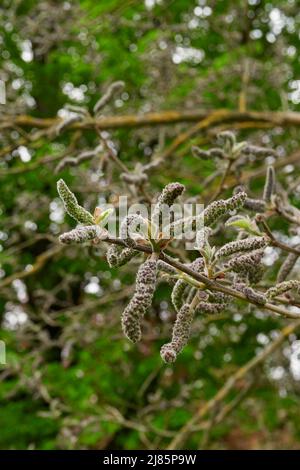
(238, 153)
(239, 261)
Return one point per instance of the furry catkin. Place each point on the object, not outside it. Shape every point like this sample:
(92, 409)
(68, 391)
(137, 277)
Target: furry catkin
(180, 334)
(269, 188)
(228, 138)
(108, 95)
(197, 265)
(207, 154)
(81, 234)
(71, 204)
(247, 244)
(207, 308)
(129, 225)
(67, 122)
(178, 291)
(167, 197)
(260, 152)
(177, 294)
(287, 266)
(250, 293)
(167, 268)
(134, 178)
(141, 300)
(218, 208)
(202, 237)
(243, 262)
(218, 297)
(75, 161)
(191, 294)
(282, 287)
(248, 265)
(255, 205)
(117, 256)
(212, 212)
(77, 109)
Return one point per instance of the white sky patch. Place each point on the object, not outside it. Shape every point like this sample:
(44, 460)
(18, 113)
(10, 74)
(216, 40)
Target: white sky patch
(29, 100)
(57, 211)
(164, 315)
(295, 239)
(193, 23)
(21, 290)
(65, 114)
(203, 12)
(93, 287)
(17, 83)
(270, 256)
(277, 373)
(74, 93)
(237, 317)
(26, 51)
(270, 160)
(29, 225)
(3, 236)
(294, 95)
(295, 360)
(256, 34)
(119, 103)
(277, 21)
(291, 240)
(288, 168)
(149, 4)
(187, 54)
(23, 153)
(271, 38)
(262, 339)
(14, 317)
(291, 51)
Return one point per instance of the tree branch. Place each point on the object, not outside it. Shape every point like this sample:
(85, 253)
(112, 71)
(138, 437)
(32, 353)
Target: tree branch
(284, 119)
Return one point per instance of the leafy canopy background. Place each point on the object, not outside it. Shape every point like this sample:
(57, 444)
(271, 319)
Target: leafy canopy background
(71, 379)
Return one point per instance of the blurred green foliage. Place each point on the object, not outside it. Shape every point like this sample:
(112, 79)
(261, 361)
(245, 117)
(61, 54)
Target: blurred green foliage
(172, 54)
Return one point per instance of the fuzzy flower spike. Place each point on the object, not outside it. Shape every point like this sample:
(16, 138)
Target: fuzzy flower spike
(141, 300)
(117, 256)
(246, 244)
(270, 185)
(180, 334)
(168, 196)
(71, 205)
(82, 234)
(216, 209)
